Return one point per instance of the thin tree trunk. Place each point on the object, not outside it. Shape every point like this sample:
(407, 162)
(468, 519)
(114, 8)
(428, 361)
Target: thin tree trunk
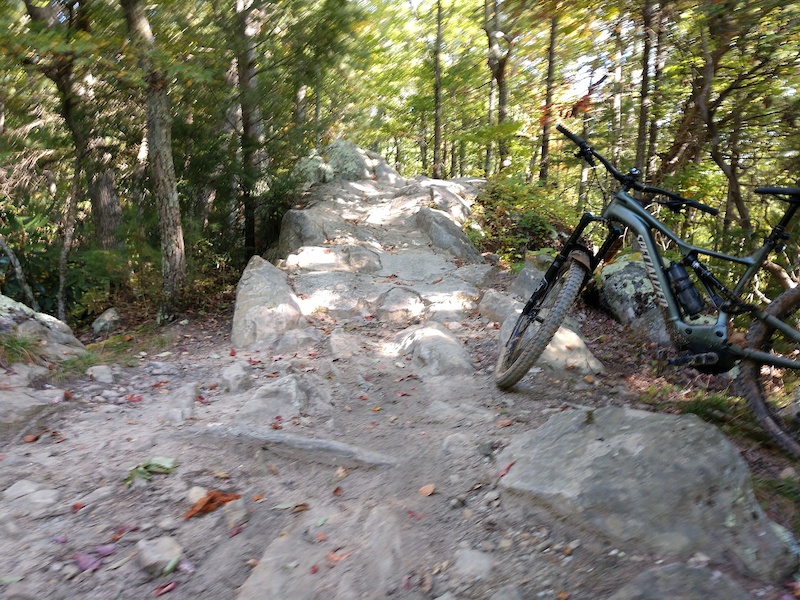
(437, 96)
(69, 233)
(20, 274)
(547, 118)
(487, 165)
(159, 143)
(658, 71)
(616, 149)
(644, 90)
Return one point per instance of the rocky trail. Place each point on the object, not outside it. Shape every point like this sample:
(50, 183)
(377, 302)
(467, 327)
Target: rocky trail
(341, 437)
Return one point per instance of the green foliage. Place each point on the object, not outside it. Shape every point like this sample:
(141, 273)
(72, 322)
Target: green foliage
(513, 217)
(15, 349)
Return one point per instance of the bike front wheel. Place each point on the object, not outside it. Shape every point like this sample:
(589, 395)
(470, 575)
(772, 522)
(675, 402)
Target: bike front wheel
(773, 393)
(534, 330)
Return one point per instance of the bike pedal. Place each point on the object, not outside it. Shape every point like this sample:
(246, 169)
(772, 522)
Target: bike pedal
(694, 360)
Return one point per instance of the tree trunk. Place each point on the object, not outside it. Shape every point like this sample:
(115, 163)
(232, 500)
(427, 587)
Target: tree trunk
(437, 96)
(498, 61)
(489, 158)
(616, 147)
(644, 89)
(253, 159)
(69, 232)
(657, 108)
(547, 117)
(19, 273)
(106, 209)
(159, 144)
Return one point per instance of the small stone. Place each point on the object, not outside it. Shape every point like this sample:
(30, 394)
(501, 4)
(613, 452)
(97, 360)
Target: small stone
(101, 374)
(155, 555)
(235, 513)
(491, 496)
(787, 473)
(196, 493)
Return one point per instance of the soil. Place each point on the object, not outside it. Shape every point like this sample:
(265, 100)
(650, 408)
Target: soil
(86, 451)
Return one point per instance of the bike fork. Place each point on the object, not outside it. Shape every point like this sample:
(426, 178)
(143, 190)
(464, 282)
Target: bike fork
(572, 244)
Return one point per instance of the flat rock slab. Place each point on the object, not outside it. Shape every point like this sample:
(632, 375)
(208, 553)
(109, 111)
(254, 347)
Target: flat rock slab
(671, 483)
(680, 582)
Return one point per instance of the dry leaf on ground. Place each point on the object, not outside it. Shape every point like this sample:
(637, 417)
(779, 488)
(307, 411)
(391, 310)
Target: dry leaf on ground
(427, 490)
(210, 502)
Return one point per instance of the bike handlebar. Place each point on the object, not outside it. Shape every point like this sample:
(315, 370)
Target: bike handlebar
(629, 181)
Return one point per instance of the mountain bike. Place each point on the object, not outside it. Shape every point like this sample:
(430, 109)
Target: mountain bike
(700, 325)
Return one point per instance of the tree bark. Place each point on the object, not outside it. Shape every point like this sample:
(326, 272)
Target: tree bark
(498, 61)
(252, 138)
(159, 144)
(547, 118)
(644, 88)
(437, 95)
(19, 273)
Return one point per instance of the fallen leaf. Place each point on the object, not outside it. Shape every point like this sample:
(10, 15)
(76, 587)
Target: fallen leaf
(322, 537)
(213, 386)
(301, 508)
(221, 474)
(122, 530)
(505, 471)
(258, 498)
(314, 569)
(210, 502)
(337, 491)
(407, 584)
(235, 530)
(505, 422)
(426, 582)
(163, 589)
(30, 438)
(77, 506)
(8, 579)
(87, 562)
(104, 550)
(134, 398)
(233, 352)
(427, 490)
(333, 557)
(341, 473)
(562, 596)
(401, 394)
(376, 409)
(414, 515)
(171, 566)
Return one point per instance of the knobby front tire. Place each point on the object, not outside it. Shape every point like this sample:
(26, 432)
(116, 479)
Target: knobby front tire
(773, 393)
(532, 332)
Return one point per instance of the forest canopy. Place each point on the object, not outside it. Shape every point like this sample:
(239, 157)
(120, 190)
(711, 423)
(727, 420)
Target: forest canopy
(147, 150)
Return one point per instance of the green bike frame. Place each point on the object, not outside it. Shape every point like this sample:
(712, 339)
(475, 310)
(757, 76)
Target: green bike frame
(626, 211)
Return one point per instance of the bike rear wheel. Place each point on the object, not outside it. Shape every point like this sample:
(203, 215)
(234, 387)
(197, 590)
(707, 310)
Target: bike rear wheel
(534, 330)
(773, 393)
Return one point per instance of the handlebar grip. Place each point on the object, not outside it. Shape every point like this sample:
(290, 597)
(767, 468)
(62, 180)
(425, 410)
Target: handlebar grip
(573, 138)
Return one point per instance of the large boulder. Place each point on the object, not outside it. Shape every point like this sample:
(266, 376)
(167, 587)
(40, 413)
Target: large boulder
(50, 338)
(266, 307)
(672, 484)
(628, 294)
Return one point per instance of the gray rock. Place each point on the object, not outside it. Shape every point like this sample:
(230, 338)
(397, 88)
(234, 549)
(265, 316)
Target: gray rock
(566, 354)
(101, 374)
(107, 322)
(445, 234)
(679, 582)
(673, 484)
(266, 307)
(237, 377)
(53, 339)
(235, 513)
(400, 305)
(154, 555)
(21, 488)
(498, 307)
(627, 292)
(435, 350)
(286, 397)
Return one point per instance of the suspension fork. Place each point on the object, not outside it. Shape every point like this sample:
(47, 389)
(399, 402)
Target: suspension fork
(570, 246)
